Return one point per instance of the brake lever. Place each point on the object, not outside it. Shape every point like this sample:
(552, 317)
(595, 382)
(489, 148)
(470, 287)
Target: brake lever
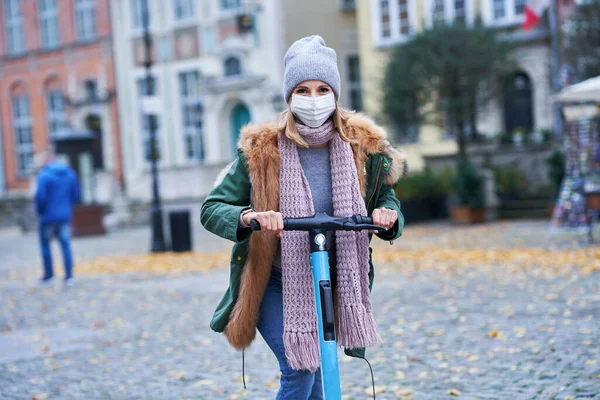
(359, 227)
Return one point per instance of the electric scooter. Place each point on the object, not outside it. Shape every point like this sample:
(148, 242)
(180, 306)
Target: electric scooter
(317, 227)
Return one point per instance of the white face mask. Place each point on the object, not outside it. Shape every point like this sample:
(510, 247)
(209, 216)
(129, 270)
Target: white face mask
(313, 111)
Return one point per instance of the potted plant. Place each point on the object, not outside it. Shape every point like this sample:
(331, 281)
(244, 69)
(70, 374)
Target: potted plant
(468, 205)
(414, 206)
(538, 136)
(423, 196)
(510, 181)
(519, 136)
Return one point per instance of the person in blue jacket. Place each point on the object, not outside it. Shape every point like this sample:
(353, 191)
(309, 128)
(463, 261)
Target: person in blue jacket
(57, 191)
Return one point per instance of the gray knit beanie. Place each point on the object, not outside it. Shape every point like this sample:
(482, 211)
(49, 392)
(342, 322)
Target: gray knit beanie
(310, 59)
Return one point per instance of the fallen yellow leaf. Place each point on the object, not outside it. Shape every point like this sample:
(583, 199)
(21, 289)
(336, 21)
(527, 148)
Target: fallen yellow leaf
(453, 392)
(404, 392)
(176, 374)
(378, 389)
(590, 362)
(495, 334)
(40, 396)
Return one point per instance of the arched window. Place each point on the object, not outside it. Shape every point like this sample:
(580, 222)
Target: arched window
(240, 116)
(21, 124)
(518, 103)
(233, 66)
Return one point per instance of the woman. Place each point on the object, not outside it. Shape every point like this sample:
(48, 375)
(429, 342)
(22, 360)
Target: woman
(318, 158)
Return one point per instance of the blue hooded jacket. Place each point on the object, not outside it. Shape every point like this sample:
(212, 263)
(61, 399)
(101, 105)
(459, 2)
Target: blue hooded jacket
(57, 191)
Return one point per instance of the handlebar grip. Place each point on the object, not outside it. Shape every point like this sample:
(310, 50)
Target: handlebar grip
(255, 225)
(361, 219)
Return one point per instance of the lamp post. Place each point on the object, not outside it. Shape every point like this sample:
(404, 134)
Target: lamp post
(156, 220)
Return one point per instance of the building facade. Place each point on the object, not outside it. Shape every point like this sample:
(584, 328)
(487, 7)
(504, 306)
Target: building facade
(212, 74)
(525, 99)
(57, 89)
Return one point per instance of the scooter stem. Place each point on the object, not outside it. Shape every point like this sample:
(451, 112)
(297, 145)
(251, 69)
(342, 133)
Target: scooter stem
(319, 258)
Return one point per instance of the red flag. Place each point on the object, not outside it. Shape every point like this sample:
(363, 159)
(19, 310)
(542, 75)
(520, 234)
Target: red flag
(534, 9)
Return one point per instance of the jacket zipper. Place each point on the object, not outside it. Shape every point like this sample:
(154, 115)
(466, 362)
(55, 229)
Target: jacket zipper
(376, 184)
(375, 189)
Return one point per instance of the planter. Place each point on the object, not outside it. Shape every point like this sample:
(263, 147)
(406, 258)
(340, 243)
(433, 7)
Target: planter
(550, 210)
(438, 207)
(415, 210)
(466, 215)
(87, 220)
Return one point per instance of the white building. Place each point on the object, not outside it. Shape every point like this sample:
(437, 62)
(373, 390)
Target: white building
(210, 79)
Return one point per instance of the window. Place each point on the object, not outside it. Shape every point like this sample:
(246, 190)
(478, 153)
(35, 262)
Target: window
(85, 19)
(233, 66)
(385, 18)
(192, 112)
(164, 48)
(506, 10)
(144, 89)
(460, 11)
(13, 18)
(393, 20)
(405, 127)
(499, 10)
(150, 121)
(137, 15)
(447, 11)
(403, 13)
(48, 23)
(22, 132)
(90, 87)
(209, 40)
(355, 92)
(230, 4)
(348, 5)
(184, 9)
(520, 6)
(55, 109)
(437, 12)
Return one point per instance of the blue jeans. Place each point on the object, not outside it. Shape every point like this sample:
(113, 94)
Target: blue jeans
(294, 385)
(62, 230)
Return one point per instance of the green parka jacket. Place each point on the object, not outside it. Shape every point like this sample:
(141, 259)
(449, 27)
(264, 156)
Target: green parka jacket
(252, 180)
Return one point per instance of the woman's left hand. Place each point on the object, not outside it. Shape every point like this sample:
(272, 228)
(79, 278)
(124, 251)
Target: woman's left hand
(384, 217)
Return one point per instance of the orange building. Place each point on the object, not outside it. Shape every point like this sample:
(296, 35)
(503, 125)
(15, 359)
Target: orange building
(57, 88)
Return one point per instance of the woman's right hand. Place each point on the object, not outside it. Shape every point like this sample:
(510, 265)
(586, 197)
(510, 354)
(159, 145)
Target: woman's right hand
(270, 221)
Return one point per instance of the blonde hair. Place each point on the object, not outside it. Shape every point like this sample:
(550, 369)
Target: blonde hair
(287, 124)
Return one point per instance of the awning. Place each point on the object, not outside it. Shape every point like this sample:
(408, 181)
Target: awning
(587, 91)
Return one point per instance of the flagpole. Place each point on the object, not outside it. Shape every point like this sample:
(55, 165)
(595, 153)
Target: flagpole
(555, 67)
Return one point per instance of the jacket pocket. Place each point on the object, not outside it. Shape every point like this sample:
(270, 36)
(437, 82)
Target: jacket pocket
(239, 252)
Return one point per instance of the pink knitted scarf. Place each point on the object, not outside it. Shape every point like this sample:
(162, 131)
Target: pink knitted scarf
(356, 326)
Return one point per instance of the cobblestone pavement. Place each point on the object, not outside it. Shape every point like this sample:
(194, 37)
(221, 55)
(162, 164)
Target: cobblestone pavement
(503, 311)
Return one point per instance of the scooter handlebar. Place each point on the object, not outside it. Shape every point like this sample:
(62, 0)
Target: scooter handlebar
(325, 222)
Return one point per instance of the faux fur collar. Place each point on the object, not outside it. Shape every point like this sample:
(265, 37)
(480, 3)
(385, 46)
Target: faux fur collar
(259, 140)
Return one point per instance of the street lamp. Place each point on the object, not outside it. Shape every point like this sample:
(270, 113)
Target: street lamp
(156, 220)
